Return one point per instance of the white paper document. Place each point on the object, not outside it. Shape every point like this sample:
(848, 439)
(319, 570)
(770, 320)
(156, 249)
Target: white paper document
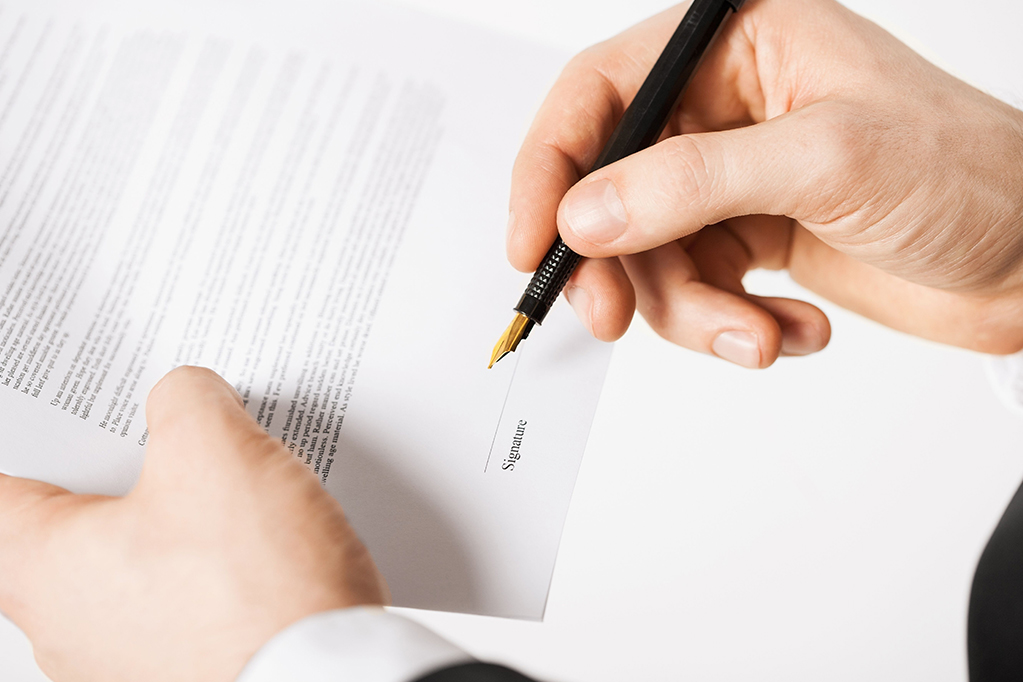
(311, 201)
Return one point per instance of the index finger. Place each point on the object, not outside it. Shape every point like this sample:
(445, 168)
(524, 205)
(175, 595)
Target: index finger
(572, 125)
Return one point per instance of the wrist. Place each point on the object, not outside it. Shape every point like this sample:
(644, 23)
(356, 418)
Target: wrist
(358, 643)
(996, 204)
(998, 328)
(1013, 184)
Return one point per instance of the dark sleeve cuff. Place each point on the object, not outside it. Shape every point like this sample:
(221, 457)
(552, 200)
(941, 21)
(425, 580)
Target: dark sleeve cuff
(476, 672)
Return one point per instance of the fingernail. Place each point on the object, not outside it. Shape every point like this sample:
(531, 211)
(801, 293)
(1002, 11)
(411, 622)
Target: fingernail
(511, 226)
(738, 347)
(595, 212)
(800, 339)
(582, 304)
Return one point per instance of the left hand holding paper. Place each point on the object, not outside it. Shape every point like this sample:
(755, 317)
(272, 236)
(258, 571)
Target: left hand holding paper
(226, 540)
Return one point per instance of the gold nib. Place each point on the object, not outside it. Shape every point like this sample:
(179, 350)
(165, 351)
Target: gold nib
(516, 331)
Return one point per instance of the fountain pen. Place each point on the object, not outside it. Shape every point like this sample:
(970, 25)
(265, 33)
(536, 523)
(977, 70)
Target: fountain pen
(640, 126)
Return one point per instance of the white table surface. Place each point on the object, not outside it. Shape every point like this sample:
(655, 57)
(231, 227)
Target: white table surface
(817, 521)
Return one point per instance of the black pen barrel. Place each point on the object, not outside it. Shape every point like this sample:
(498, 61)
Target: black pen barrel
(648, 114)
(640, 127)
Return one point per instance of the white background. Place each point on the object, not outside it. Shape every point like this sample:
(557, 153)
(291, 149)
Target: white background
(817, 521)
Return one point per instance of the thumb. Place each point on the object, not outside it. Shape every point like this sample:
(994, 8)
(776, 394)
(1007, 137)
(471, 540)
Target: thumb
(784, 166)
(196, 419)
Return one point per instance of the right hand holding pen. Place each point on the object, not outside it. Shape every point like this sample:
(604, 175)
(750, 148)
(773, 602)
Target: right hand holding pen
(810, 140)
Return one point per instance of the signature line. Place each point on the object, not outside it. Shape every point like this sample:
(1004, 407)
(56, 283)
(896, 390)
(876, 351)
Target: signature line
(501, 418)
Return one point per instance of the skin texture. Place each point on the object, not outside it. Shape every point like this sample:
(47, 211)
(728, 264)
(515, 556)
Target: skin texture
(226, 540)
(809, 140)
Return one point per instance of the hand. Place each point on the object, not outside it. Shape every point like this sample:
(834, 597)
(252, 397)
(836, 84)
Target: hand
(810, 140)
(226, 540)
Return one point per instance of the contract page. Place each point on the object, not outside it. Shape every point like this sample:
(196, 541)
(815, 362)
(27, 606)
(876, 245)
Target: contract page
(312, 203)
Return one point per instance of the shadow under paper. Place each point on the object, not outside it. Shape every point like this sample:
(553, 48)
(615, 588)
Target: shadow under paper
(414, 546)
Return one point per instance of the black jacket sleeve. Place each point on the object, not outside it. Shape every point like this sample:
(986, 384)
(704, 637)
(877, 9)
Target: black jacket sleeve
(995, 627)
(476, 672)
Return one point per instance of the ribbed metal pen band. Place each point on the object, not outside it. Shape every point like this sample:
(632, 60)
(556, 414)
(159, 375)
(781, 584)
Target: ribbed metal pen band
(548, 281)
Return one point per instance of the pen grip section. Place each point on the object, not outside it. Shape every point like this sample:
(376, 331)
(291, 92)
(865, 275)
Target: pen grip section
(548, 281)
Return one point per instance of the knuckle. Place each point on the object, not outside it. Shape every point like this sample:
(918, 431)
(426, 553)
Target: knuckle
(588, 60)
(582, 72)
(660, 314)
(576, 130)
(580, 141)
(261, 445)
(840, 144)
(686, 162)
(580, 62)
(845, 144)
